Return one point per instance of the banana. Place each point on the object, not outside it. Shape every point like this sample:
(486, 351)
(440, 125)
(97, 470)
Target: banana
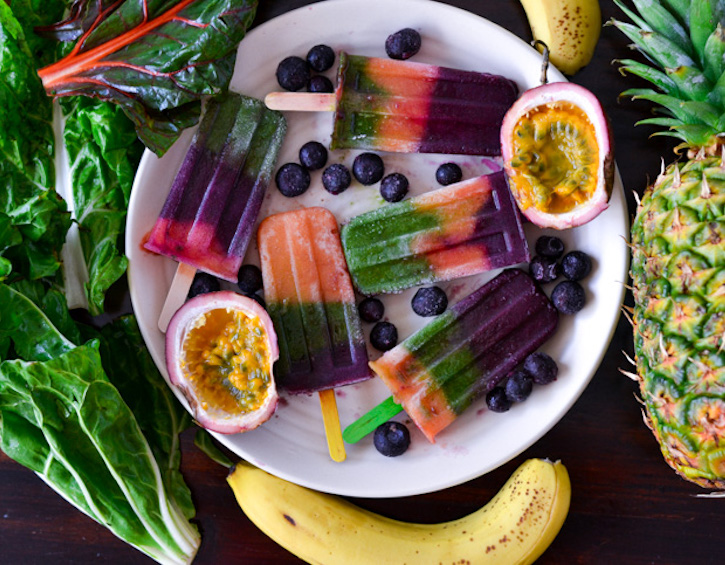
(569, 28)
(515, 527)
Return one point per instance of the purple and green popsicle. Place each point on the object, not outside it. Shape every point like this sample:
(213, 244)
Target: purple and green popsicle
(439, 371)
(451, 232)
(208, 218)
(401, 106)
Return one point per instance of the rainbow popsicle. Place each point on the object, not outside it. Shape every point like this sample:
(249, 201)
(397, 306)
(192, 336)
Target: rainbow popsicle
(311, 301)
(402, 106)
(389, 105)
(208, 218)
(439, 371)
(455, 231)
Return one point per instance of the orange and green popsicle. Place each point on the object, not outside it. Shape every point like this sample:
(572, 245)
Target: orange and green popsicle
(451, 232)
(311, 301)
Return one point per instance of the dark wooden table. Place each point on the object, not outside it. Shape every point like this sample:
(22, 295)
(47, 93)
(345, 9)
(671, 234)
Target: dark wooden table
(627, 505)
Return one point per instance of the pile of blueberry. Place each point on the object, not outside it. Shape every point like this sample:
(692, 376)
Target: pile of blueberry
(249, 282)
(538, 368)
(295, 73)
(550, 263)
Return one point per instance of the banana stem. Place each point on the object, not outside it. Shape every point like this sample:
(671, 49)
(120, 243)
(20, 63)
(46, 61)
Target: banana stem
(545, 63)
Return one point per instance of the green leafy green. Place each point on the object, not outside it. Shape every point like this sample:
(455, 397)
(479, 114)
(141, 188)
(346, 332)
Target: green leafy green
(103, 152)
(62, 417)
(155, 58)
(33, 218)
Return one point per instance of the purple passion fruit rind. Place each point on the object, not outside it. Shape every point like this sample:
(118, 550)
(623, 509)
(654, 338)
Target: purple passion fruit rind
(558, 185)
(231, 397)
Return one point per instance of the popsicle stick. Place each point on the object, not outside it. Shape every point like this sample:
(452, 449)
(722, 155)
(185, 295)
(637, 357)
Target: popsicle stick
(301, 101)
(177, 294)
(367, 423)
(328, 404)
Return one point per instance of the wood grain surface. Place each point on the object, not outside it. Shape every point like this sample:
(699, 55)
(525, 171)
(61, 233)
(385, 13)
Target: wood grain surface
(627, 505)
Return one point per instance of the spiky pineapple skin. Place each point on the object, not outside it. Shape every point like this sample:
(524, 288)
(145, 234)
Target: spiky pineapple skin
(678, 278)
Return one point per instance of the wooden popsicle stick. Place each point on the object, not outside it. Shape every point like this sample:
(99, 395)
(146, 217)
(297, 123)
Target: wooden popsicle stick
(328, 404)
(178, 291)
(367, 423)
(301, 101)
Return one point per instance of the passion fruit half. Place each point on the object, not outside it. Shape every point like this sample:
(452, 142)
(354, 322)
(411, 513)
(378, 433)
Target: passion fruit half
(557, 149)
(220, 349)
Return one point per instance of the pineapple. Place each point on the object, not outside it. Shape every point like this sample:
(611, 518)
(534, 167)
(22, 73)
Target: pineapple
(678, 235)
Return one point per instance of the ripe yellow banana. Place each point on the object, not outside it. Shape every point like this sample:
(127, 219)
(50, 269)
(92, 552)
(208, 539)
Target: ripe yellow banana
(515, 527)
(569, 28)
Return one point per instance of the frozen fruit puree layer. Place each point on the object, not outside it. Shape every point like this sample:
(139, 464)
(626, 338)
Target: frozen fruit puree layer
(311, 301)
(458, 230)
(402, 106)
(208, 218)
(437, 372)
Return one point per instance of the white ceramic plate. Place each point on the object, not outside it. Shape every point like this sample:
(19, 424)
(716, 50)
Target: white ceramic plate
(292, 444)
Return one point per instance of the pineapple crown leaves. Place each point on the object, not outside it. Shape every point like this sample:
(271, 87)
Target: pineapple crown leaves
(684, 40)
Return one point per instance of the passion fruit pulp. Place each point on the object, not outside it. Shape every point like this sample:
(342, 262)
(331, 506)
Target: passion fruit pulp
(557, 151)
(220, 349)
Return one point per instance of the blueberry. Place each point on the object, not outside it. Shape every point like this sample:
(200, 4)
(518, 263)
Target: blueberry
(394, 187)
(576, 265)
(292, 179)
(249, 279)
(320, 83)
(320, 58)
(403, 44)
(293, 73)
(371, 309)
(391, 439)
(541, 368)
(429, 301)
(384, 336)
(518, 386)
(368, 168)
(202, 284)
(313, 155)
(568, 297)
(448, 173)
(336, 178)
(549, 246)
(544, 269)
(497, 401)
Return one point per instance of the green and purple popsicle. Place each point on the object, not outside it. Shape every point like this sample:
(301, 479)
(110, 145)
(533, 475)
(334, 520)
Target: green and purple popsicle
(402, 106)
(451, 232)
(439, 371)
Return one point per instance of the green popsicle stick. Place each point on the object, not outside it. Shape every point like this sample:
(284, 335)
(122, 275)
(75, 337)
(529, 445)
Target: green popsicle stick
(367, 423)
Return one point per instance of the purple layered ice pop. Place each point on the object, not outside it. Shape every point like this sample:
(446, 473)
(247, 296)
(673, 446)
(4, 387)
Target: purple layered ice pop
(402, 106)
(390, 105)
(436, 373)
(208, 218)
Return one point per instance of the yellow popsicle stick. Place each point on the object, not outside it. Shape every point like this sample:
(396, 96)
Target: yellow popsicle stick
(330, 418)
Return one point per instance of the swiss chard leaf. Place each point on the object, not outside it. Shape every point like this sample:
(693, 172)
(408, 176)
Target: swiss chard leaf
(159, 414)
(103, 152)
(33, 216)
(64, 418)
(155, 58)
(83, 440)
